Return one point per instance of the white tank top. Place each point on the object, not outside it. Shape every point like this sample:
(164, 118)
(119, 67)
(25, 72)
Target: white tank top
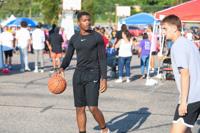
(125, 48)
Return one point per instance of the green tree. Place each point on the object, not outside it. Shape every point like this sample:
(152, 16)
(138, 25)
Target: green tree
(48, 10)
(51, 10)
(101, 10)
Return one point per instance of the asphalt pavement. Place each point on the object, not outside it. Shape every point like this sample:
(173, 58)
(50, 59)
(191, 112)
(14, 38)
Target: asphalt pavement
(26, 105)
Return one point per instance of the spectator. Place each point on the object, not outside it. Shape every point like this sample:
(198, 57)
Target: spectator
(105, 39)
(125, 54)
(6, 39)
(23, 40)
(143, 53)
(154, 46)
(118, 35)
(55, 41)
(38, 39)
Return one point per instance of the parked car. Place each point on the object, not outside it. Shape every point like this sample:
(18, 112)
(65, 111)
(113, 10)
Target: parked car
(135, 31)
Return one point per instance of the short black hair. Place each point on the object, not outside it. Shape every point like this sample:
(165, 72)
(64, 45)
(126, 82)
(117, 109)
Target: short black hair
(173, 20)
(145, 36)
(24, 24)
(83, 13)
(39, 25)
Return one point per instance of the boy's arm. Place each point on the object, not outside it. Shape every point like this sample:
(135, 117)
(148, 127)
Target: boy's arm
(184, 91)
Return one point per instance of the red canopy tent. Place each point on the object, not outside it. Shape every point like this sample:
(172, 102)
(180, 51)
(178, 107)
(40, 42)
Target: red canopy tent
(187, 12)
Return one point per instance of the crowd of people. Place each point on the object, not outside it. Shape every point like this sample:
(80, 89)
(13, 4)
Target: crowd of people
(119, 45)
(38, 40)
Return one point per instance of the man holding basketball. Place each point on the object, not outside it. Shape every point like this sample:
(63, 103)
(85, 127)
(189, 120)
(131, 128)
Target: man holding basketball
(90, 75)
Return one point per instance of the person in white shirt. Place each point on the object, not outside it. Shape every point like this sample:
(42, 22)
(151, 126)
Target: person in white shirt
(38, 39)
(23, 40)
(125, 53)
(6, 39)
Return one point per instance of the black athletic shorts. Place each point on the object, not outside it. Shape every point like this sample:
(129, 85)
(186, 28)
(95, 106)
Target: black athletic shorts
(86, 85)
(192, 115)
(8, 53)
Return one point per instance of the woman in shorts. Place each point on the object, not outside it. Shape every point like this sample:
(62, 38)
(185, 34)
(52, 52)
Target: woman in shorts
(55, 41)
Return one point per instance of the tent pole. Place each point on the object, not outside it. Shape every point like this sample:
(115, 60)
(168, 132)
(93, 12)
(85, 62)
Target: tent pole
(150, 56)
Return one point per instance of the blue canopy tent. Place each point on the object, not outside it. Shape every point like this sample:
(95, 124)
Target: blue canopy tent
(140, 18)
(17, 22)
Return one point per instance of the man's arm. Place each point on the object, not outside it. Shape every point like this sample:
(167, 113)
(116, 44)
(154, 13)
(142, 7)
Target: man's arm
(184, 91)
(68, 56)
(103, 65)
(181, 59)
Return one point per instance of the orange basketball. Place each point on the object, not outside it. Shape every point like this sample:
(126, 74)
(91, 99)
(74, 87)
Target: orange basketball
(57, 84)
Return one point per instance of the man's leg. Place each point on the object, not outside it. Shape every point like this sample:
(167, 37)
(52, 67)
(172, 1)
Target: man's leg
(10, 58)
(128, 66)
(81, 119)
(152, 62)
(53, 55)
(36, 60)
(121, 65)
(179, 128)
(6, 59)
(142, 63)
(25, 51)
(41, 59)
(147, 64)
(21, 59)
(98, 116)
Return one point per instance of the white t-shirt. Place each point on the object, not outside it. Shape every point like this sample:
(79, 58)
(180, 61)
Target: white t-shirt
(23, 36)
(184, 54)
(6, 39)
(125, 49)
(38, 39)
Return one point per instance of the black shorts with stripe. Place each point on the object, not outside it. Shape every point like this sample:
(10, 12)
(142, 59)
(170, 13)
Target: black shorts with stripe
(86, 85)
(193, 111)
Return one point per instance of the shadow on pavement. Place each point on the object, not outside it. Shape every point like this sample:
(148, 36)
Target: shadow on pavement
(128, 121)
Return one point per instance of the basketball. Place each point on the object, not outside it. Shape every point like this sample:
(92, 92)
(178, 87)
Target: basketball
(57, 84)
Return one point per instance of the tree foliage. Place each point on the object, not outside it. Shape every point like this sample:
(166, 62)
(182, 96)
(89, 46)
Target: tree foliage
(48, 10)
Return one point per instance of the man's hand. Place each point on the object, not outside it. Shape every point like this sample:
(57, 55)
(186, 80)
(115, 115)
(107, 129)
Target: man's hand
(103, 85)
(182, 110)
